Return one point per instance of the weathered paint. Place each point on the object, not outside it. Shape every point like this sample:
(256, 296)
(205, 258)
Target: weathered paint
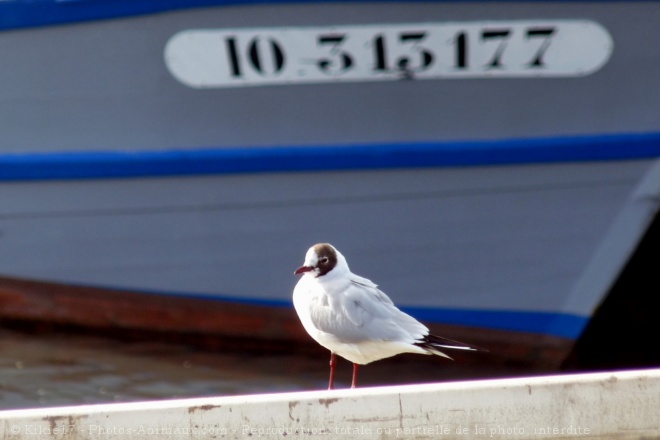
(624, 405)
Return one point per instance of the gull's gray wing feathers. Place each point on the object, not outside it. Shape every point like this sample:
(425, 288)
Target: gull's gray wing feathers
(363, 312)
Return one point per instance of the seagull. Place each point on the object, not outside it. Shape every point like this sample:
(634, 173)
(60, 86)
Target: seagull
(351, 317)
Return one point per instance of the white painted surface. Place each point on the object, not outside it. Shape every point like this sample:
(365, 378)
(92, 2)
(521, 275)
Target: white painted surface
(203, 58)
(622, 405)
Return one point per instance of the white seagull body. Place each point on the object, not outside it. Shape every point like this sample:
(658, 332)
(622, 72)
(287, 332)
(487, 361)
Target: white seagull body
(351, 317)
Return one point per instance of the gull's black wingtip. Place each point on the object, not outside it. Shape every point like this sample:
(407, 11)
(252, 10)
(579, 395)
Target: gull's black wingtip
(437, 342)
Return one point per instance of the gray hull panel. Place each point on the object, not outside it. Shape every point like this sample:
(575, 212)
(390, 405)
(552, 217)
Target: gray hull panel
(105, 86)
(500, 238)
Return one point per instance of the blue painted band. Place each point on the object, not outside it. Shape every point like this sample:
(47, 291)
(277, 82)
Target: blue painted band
(558, 324)
(564, 325)
(555, 324)
(98, 165)
(30, 13)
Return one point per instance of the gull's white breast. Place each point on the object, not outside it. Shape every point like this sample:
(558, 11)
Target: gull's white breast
(354, 319)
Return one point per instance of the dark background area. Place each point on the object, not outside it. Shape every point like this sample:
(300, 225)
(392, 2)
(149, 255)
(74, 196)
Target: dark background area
(623, 333)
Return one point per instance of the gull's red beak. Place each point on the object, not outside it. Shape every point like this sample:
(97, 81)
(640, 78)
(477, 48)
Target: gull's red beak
(303, 269)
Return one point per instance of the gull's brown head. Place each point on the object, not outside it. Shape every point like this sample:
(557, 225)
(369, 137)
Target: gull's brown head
(320, 259)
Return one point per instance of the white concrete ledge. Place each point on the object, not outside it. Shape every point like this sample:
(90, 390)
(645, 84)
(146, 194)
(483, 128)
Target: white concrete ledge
(622, 405)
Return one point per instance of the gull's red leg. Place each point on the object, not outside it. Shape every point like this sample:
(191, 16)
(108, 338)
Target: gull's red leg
(355, 372)
(333, 364)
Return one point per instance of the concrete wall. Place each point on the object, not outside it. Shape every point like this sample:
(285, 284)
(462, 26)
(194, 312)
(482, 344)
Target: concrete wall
(623, 405)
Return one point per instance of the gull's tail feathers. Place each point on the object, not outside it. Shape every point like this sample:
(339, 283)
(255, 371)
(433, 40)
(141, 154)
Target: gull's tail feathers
(434, 344)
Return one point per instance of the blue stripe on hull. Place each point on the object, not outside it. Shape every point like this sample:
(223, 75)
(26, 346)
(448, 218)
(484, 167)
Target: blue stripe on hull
(562, 325)
(91, 165)
(555, 324)
(31, 13)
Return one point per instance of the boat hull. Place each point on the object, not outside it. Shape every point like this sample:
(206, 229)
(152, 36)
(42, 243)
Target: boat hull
(498, 248)
(494, 194)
